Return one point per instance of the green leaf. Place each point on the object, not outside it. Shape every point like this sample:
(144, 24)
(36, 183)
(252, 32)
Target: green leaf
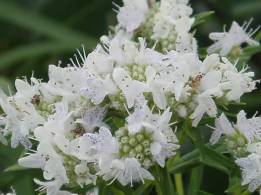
(4, 84)
(35, 50)
(6, 179)
(9, 155)
(202, 53)
(258, 36)
(163, 181)
(14, 168)
(201, 17)
(183, 163)
(216, 160)
(235, 186)
(248, 52)
(78, 189)
(203, 193)
(195, 180)
(144, 188)
(40, 24)
(105, 190)
(208, 155)
(117, 191)
(246, 8)
(24, 185)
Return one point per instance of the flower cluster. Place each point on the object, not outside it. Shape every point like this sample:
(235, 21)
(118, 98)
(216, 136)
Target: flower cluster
(148, 76)
(243, 141)
(159, 23)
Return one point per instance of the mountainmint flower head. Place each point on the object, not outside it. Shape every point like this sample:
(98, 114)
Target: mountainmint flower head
(145, 140)
(192, 87)
(129, 79)
(237, 35)
(110, 117)
(250, 166)
(237, 135)
(166, 23)
(132, 14)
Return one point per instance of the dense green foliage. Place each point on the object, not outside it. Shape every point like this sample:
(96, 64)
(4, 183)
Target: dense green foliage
(35, 33)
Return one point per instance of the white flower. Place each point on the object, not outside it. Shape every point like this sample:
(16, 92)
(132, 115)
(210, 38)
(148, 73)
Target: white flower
(237, 83)
(98, 63)
(51, 187)
(205, 105)
(61, 123)
(249, 128)
(101, 146)
(126, 171)
(185, 42)
(105, 148)
(172, 23)
(48, 160)
(132, 14)
(143, 117)
(164, 145)
(21, 117)
(251, 167)
(25, 90)
(84, 177)
(208, 88)
(175, 9)
(96, 89)
(92, 118)
(181, 67)
(67, 82)
(222, 126)
(132, 89)
(163, 140)
(156, 87)
(226, 41)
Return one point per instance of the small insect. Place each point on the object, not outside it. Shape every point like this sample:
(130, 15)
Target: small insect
(196, 81)
(79, 131)
(36, 99)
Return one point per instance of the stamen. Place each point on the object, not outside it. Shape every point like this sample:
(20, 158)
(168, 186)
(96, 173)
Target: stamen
(73, 62)
(247, 24)
(254, 32)
(76, 58)
(126, 108)
(211, 127)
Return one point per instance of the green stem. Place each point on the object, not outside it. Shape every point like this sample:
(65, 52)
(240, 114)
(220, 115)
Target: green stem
(178, 181)
(246, 192)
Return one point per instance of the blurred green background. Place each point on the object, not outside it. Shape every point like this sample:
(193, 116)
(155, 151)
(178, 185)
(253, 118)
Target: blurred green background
(36, 33)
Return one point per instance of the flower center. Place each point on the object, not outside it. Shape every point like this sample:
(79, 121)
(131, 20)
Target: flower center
(43, 108)
(135, 146)
(137, 71)
(236, 144)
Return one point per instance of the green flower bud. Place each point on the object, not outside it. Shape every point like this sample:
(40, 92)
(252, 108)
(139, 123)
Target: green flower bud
(139, 137)
(146, 143)
(126, 148)
(139, 148)
(132, 141)
(124, 140)
(132, 153)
